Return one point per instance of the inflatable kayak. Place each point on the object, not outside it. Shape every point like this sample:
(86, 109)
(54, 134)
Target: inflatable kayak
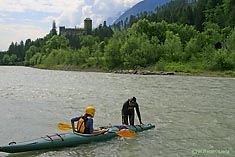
(68, 139)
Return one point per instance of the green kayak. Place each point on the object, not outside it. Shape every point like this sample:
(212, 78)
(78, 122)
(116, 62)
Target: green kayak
(68, 139)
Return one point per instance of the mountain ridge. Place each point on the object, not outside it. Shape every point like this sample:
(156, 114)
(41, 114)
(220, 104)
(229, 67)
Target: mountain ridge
(143, 6)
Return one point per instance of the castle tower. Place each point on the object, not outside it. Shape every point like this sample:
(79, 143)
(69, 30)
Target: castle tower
(88, 25)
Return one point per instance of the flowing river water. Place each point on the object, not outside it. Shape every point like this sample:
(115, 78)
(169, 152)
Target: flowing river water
(194, 115)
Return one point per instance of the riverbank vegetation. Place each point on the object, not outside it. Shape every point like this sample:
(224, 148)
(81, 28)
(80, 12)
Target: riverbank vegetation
(196, 37)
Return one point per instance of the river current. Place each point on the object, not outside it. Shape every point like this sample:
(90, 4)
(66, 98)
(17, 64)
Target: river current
(194, 115)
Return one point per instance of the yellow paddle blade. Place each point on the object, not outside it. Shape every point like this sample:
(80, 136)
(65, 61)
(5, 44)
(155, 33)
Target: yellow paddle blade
(126, 133)
(63, 126)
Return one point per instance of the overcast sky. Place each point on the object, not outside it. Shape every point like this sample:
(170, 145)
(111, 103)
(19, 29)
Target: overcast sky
(32, 19)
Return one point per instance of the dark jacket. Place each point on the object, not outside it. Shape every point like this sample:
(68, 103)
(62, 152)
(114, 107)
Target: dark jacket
(128, 109)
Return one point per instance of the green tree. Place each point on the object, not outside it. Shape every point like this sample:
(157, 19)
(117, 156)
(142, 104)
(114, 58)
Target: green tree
(159, 30)
(103, 32)
(112, 55)
(36, 59)
(6, 59)
(173, 47)
(223, 60)
(97, 58)
(74, 40)
(192, 50)
(230, 40)
(57, 42)
(185, 32)
(52, 59)
(29, 54)
(137, 51)
(88, 41)
(211, 36)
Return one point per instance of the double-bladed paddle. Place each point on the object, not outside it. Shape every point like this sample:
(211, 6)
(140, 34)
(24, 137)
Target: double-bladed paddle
(122, 133)
(64, 126)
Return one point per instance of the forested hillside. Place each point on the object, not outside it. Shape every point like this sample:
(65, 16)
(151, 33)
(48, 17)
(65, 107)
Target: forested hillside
(147, 6)
(184, 37)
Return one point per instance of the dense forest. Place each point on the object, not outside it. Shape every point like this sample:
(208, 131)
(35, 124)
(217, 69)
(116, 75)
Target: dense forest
(182, 36)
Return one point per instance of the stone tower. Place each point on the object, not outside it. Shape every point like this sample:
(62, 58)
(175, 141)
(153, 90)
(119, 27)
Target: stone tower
(88, 25)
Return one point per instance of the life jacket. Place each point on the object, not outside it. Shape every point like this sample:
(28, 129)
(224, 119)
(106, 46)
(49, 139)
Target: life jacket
(81, 125)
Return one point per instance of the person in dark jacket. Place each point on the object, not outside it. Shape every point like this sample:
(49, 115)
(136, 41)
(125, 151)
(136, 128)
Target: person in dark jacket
(128, 111)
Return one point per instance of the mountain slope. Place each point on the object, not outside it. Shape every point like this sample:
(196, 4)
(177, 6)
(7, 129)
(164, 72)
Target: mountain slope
(146, 5)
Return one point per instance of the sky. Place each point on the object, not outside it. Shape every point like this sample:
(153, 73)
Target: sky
(31, 19)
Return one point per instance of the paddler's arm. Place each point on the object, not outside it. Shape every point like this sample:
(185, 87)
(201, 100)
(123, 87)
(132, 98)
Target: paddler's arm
(72, 122)
(100, 131)
(138, 113)
(92, 130)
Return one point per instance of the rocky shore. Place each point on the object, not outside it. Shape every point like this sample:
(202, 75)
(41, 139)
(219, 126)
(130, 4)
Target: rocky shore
(143, 72)
(139, 71)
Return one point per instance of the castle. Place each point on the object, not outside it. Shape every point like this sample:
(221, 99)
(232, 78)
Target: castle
(77, 31)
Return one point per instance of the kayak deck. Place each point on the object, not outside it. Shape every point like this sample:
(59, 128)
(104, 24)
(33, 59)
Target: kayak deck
(68, 139)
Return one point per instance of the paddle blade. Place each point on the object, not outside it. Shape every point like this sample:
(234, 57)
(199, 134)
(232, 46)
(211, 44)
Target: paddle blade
(63, 126)
(126, 133)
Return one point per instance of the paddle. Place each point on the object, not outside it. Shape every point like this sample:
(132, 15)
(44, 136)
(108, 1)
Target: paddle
(63, 126)
(122, 133)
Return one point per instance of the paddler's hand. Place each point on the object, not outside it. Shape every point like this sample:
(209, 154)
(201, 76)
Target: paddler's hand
(103, 130)
(75, 131)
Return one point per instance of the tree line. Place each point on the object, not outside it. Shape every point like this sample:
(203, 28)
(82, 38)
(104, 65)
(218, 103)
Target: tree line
(186, 36)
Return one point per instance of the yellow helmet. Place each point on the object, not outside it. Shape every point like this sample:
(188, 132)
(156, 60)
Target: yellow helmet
(90, 110)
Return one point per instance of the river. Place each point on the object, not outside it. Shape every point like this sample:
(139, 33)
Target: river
(194, 115)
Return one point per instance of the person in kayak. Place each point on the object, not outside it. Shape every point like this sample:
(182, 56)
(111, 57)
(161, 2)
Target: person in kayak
(85, 123)
(128, 111)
